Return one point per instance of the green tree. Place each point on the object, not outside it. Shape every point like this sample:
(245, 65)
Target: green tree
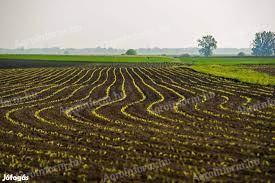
(264, 44)
(241, 54)
(131, 52)
(184, 55)
(207, 44)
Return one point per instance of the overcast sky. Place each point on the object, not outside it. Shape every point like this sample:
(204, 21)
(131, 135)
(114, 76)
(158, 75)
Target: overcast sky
(132, 24)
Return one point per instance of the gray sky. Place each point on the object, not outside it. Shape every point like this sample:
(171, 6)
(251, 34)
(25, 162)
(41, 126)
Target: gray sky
(132, 24)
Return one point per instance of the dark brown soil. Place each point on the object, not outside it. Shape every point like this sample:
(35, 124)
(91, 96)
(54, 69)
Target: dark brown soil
(36, 132)
(269, 69)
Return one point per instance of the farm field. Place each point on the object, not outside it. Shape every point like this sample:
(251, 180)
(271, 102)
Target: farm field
(268, 69)
(229, 60)
(111, 118)
(255, 74)
(254, 70)
(144, 59)
(90, 58)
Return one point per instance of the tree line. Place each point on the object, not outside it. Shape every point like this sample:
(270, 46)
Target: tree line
(262, 45)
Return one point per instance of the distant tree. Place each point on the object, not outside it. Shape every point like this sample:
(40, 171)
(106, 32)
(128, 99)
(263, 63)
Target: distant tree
(184, 55)
(207, 44)
(131, 52)
(241, 54)
(264, 44)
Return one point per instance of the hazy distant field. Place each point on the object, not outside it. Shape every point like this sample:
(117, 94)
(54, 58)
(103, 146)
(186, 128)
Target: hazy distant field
(144, 58)
(90, 58)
